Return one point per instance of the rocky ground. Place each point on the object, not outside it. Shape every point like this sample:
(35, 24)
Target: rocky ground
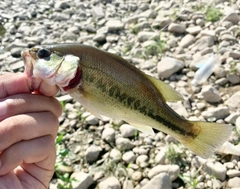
(169, 40)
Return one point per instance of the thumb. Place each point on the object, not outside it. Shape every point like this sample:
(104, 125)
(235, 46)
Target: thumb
(14, 83)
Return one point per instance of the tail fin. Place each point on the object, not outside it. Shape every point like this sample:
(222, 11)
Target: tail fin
(210, 137)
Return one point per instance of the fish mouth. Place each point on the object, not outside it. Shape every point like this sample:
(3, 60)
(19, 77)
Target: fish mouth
(74, 82)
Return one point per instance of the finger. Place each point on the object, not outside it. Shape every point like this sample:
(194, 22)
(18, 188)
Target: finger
(25, 103)
(40, 151)
(26, 127)
(13, 84)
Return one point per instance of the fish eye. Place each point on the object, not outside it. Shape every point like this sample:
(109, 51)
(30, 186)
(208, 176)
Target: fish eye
(43, 53)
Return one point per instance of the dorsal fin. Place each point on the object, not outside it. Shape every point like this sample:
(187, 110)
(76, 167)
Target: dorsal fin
(168, 93)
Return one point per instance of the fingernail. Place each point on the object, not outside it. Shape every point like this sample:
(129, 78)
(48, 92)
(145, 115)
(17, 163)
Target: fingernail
(3, 108)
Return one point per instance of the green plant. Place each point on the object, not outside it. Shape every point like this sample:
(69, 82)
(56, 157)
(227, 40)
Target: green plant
(174, 156)
(233, 68)
(190, 181)
(213, 14)
(62, 153)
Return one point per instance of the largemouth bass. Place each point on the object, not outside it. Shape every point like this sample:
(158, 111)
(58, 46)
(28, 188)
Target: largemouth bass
(107, 85)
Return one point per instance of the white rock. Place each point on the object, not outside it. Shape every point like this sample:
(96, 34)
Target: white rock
(194, 30)
(203, 42)
(124, 144)
(234, 182)
(137, 176)
(128, 130)
(92, 120)
(81, 180)
(109, 183)
(129, 157)
(168, 66)
(92, 153)
(210, 94)
(234, 100)
(160, 181)
(233, 173)
(218, 113)
(186, 41)
(115, 154)
(128, 184)
(176, 28)
(108, 134)
(142, 161)
(232, 17)
(217, 169)
(231, 118)
(114, 25)
(172, 170)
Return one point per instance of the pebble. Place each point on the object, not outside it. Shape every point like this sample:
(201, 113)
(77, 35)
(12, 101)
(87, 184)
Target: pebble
(92, 153)
(232, 17)
(114, 25)
(234, 182)
(129, 157)
(109, 183)
(108, 135)
(176, 28)
(172, 170)
(210, 94)
(218, 113)
(160, 181)
(186, 41)
(168, 66)
(217, 169)
(128, 131)
(91, 120)
(115, 154)
(142, 161)
(81, 180)
(124, 144)
(234, 100)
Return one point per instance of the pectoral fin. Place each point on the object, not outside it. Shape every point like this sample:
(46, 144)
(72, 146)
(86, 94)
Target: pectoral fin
(168, 93)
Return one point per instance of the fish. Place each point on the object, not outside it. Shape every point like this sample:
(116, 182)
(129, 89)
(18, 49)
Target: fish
(109, 86)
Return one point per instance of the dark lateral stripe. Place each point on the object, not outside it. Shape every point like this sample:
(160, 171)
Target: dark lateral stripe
(135, 104)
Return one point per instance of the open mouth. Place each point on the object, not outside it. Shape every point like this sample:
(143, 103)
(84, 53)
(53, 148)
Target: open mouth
(74, 81)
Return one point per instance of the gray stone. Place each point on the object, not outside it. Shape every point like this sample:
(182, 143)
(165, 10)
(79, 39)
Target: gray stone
(232, 17)
(168, 66)
(233, 173)
(92, 120)
(220, 72)
(172, 170)
(217, 169)
(124, 144)
(98, 12)
(176, 28)
(137, 176)
(194, 30)
(210, 94)
(128, 184)
(61, 5)
(114, 25)
(115, 154)
(160, 181)
(218, 113)
(81, 180)
(234, 182)
(234, 78)
(142, 161)
(92, 153)
(161, 156)
(186, 41)
(145, 36)
(234, 100)
(108, 134)
(109, 183)
(128, 131)
(203, 42)
(129, 157)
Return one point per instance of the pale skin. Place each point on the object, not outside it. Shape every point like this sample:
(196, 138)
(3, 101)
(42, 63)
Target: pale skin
(28, 128)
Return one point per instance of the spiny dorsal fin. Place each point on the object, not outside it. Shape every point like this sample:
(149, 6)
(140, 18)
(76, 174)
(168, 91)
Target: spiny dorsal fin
(168, 93)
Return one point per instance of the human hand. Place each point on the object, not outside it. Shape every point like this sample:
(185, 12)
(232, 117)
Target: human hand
(28, 127)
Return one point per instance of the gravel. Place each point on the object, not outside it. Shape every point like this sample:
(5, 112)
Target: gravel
(166, 39)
